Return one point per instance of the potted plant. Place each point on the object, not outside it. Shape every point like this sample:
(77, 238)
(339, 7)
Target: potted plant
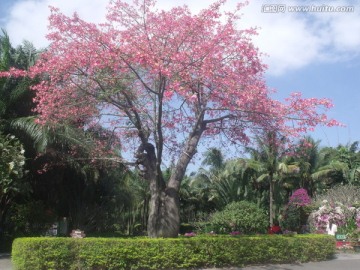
(354, 238)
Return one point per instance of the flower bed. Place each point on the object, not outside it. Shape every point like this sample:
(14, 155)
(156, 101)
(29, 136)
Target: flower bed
(342, 244)
(346, 218)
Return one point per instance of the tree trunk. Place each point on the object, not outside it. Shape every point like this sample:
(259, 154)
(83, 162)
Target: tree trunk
(5, 204)
(164, 212)
(271, 195)
(164, 218)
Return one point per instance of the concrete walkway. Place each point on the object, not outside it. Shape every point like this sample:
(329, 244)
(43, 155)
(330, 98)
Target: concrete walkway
(5, 262)
(345, 261)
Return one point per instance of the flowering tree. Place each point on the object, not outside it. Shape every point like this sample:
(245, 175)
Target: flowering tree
(162, 80)
(294, 215)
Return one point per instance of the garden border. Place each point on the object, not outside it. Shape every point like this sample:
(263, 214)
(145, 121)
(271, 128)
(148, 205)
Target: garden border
(171, 253)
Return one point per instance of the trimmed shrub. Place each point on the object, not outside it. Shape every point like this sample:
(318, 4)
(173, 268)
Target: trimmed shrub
(179, 253)
(242, 216)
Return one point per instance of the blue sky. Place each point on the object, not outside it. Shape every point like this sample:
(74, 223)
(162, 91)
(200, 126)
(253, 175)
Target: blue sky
(316, 53)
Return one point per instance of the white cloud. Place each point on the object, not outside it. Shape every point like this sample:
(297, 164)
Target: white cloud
(287, 39)
(346, 32)
(297, 39)
(28, 19)
(292, 40)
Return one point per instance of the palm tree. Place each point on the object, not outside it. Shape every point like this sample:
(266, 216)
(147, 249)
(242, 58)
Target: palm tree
(197, 197)
(13, 92)
(303, 163)
(225, 181)
(214, 159)
(237, 182)
(270, 149)
(199, 187)
(340, 165)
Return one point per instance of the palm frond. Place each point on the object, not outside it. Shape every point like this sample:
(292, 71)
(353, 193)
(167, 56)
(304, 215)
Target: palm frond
(262, 178)
(36, 132)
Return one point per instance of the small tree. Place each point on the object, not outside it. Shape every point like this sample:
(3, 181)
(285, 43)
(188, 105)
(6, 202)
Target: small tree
(162, 80)
(295, 214)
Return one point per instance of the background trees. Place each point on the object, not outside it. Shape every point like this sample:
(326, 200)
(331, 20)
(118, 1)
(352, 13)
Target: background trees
(339, 165)
(57, 183)
(306, 166)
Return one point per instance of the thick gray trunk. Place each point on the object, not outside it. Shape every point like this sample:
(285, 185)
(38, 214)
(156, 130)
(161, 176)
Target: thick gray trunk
(164, 218)
(164, 213)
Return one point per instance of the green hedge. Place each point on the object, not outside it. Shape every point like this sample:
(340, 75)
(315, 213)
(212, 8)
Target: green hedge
(142, 253)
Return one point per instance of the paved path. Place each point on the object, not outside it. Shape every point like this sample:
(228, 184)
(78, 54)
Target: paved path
(5, 262)
(345, 261)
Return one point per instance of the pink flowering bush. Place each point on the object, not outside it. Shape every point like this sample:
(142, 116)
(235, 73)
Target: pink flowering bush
(295, 215)
(300, 197)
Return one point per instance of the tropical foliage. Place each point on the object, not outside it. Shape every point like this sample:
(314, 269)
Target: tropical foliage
(12, 183)
(60, 181)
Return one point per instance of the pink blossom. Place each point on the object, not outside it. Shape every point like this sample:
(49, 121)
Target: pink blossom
(164, 74)
(300, 198)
